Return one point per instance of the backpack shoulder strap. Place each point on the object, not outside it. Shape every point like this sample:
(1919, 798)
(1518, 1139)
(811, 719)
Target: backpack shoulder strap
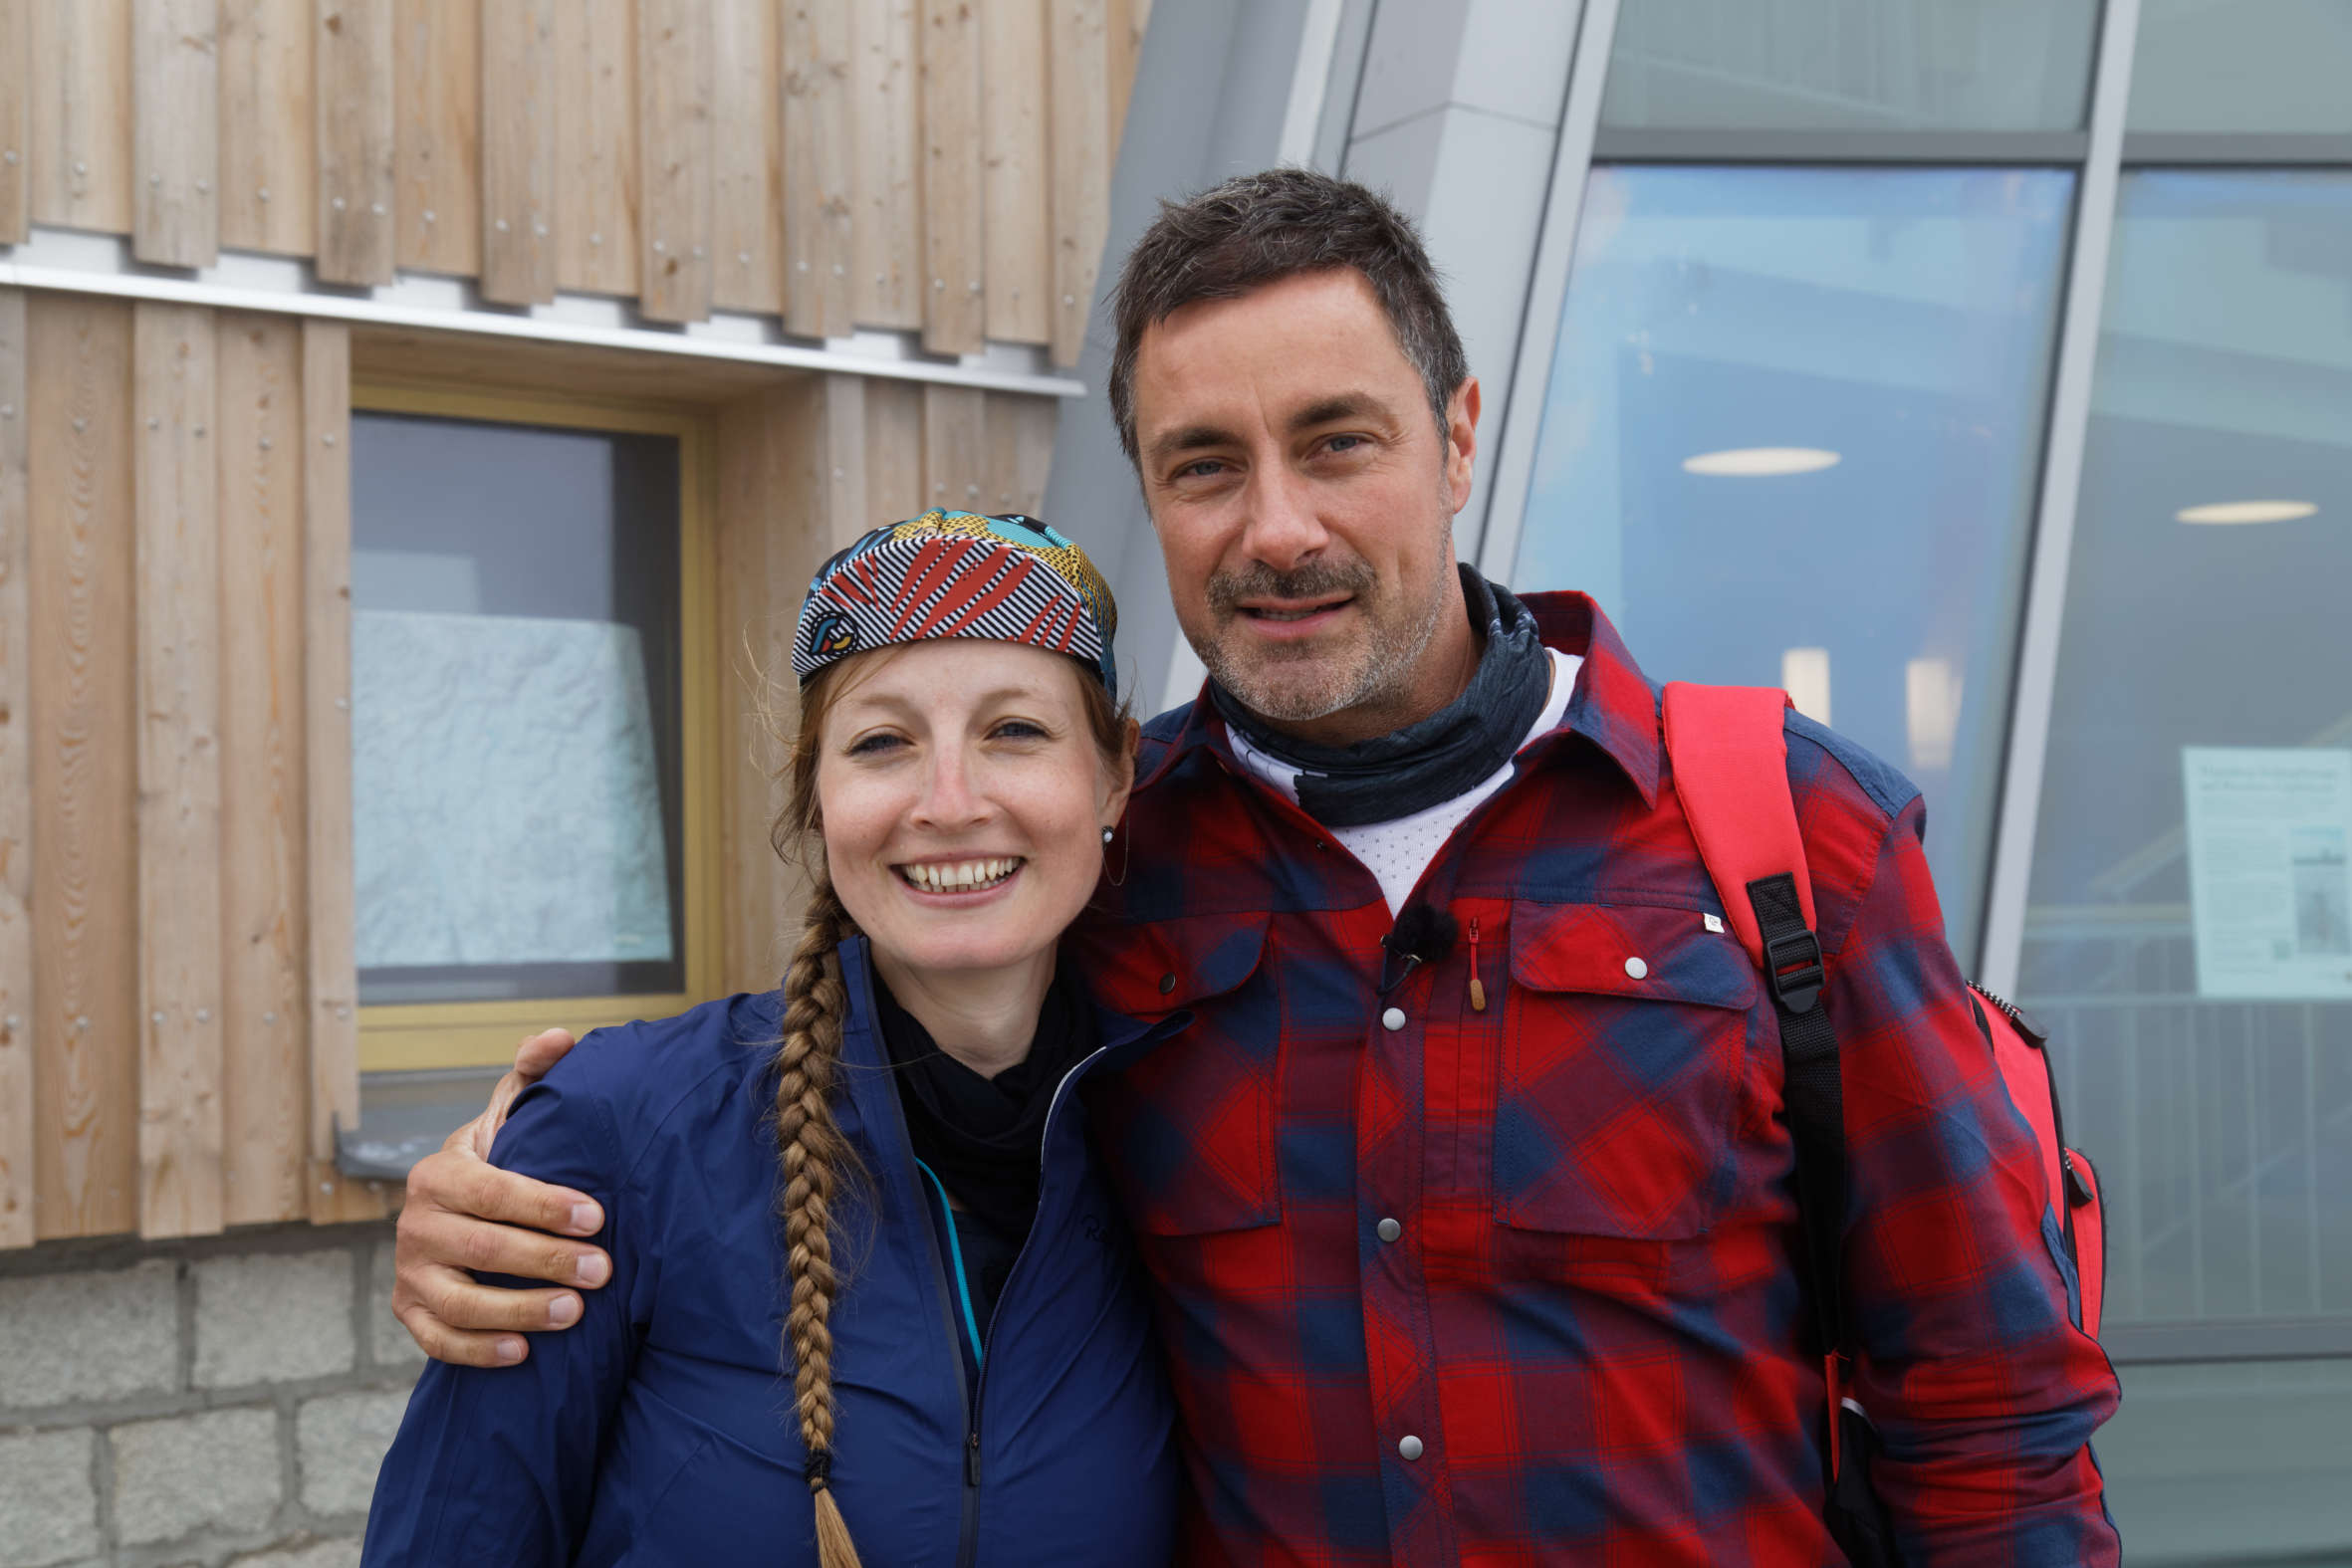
(1729, 760)
(1731, 771)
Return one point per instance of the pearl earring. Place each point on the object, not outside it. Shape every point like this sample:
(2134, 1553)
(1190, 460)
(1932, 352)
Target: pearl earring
(1106, 835)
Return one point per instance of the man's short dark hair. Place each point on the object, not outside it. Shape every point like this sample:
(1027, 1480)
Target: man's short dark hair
(1256, 229)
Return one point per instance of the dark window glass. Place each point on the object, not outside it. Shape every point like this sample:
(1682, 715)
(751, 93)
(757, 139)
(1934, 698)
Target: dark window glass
(1852, 65)
(514, 715)
(2186, 934)
(2279, 66)
(1791, 438)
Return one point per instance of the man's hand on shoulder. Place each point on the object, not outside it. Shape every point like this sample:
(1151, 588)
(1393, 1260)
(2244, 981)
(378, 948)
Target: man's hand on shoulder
(464, 1213)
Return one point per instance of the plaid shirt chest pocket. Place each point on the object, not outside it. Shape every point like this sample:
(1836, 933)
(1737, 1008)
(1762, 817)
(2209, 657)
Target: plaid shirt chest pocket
(1187, 1129)
(1625, 1042)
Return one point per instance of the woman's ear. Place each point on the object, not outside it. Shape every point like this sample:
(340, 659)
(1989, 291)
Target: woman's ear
(1122, 775)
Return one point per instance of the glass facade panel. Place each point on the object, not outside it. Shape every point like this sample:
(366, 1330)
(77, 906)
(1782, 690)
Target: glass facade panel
(2185, 934)
(516, 735)
(1792, 437)
(2281, 66)
(2232, 1465)
(1852, 65)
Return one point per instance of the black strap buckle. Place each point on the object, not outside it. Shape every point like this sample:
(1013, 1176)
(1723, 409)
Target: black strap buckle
(1793, 966)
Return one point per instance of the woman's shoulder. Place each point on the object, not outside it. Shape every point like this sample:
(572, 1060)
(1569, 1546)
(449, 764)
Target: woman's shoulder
(625, 1088)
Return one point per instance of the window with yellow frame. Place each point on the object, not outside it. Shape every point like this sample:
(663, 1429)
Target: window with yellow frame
(534, 718)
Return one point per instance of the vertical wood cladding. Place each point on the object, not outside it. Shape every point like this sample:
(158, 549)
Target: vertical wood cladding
(354, 104)
(176, 497)
(85, 731)
(178, 1019)
(932, 165)
(16, 791)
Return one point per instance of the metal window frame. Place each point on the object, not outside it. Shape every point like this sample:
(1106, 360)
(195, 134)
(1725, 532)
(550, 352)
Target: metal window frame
(2033, 678)
(1547, 292)
(2100, 154)
(2226, 1339)
(2234, 150)
(1904, 149)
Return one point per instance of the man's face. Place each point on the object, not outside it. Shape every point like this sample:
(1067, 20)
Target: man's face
(1304, 499)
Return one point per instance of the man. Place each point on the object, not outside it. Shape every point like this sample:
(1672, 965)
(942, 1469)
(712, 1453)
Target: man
(1481, 1245)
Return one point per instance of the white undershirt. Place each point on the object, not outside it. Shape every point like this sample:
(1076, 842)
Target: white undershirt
(1398, 851)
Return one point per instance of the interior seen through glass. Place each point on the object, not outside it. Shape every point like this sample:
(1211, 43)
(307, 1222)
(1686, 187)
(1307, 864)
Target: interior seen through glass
(1852, 65)
(514, 715)
(1791, 438)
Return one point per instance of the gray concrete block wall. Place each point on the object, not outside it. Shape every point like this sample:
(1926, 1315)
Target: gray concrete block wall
(221, 1403)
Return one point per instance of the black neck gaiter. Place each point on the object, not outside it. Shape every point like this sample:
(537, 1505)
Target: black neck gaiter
(984, 1137)
(1443, 755)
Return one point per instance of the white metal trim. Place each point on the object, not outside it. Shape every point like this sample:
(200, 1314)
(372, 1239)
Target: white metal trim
(66, 262)
(1311, 82)
(1547, 292)
(2035, 682)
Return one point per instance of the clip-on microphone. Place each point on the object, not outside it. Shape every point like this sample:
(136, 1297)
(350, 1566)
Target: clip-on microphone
(1423, 934)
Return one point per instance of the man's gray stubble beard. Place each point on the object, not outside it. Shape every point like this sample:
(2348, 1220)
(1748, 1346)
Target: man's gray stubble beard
(1387, 670)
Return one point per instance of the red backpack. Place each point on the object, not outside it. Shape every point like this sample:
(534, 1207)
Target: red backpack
(1731, 771)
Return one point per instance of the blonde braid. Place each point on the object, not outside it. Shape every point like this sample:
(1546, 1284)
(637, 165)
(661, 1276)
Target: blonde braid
(813, 1150)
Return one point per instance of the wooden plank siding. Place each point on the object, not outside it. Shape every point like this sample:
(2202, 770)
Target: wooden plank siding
(16, 118)
(178, 984)
(759, 515)
(1123, 28)
(675, 156)
(263, 834)
(83, 707)
(954, 429)
(894, 483)
(354, 101)
(887, 212)
(176, 492)
(791, 492)
(80, 56)
(955, 243)
(1017, 452)
(440, 156)
(518, 94)
(16, 790)
(175, 145)
(596, 145)
(1016, 192)
(939, 166)
(819, 160)
(326, 730)
(1078, 81)
(747, 150)
(269, 163)
(327, 726)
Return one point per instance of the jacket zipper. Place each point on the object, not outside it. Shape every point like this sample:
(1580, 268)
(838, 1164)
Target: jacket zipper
(968, 1550)
(968, 1536)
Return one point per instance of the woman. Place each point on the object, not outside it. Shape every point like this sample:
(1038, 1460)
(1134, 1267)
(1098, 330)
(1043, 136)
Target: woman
(883, 1165)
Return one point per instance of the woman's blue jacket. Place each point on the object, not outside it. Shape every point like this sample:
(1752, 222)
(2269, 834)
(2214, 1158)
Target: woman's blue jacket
(659, 1428)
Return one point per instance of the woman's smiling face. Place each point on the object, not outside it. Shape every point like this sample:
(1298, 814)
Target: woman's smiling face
(964, 796)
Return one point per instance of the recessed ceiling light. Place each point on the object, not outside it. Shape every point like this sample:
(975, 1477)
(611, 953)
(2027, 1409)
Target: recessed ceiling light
(2246, 512)
(1760, 462)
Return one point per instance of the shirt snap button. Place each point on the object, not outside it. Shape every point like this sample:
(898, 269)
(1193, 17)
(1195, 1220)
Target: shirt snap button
(1167, 983)
(1636, 968)
(1389, 1229)
(1409, 1446)
(1393, 1020)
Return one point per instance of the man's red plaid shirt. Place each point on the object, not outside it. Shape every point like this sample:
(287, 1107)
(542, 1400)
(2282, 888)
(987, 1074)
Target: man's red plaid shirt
(1515, 1283)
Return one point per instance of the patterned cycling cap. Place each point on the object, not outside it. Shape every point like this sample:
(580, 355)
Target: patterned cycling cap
(958, 574)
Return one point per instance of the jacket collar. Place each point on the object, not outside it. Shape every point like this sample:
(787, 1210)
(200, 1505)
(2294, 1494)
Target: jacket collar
(1116, 1035)
(1614, 707)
